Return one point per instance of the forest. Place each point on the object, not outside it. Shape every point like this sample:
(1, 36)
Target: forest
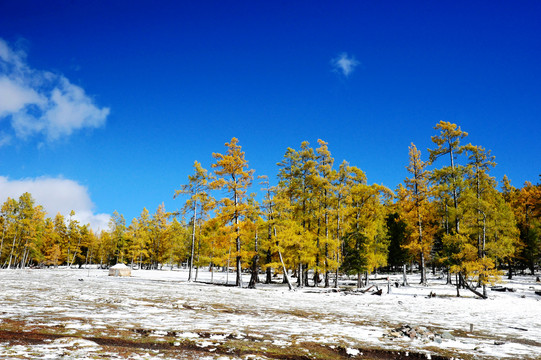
(321, 221)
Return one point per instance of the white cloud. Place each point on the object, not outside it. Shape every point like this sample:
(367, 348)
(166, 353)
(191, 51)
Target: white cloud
(14, 97)
(57, 195)
(344, 64)
(42, 103)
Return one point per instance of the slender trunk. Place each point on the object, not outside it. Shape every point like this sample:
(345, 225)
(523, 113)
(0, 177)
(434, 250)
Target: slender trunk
(316, 272)
(3, 235)
(455, 195)
(423, 269)
(284, 270)
(326, 243)
(326, 268)
(12, 248)
(480, 241)
(238, 281)
(270, 228)
(483, 244)
(29, 260)
(422, 263)
(336, 272)
(198, 253)
(228, 260)
(404, 276)
(190, 267)
(268, 271)
(446, 218)
(339, 245)
(268, 259)
(359, 280)
(75, 254)
(255, 265)
(25, 254)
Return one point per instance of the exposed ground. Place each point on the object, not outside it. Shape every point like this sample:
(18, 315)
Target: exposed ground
(85, 314)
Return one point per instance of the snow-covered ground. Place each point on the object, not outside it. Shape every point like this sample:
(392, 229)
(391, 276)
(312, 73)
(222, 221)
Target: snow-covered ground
(81, 304)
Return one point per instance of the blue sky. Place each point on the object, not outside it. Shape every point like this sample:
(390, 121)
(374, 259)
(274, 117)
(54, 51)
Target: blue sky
(105, 105)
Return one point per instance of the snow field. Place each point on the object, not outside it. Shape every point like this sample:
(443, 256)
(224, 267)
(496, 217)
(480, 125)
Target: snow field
(157, 303)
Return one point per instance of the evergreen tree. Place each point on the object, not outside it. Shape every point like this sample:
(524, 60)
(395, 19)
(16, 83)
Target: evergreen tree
(526, 204)
(449, 192)
(325, 192)
(234, 177)
(398, 255)
(355, 254)
(198, 190)
(417, 210)
(117, 228)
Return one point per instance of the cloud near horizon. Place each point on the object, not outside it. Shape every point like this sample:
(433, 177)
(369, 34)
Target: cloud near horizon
(344, 64)
(41, 102)
(57, 195)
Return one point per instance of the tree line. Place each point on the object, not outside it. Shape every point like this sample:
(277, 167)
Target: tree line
(319, 221)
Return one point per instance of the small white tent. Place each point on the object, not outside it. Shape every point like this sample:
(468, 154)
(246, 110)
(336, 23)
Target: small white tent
(119, 270)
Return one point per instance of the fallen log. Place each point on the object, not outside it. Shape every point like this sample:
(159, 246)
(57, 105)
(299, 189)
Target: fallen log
(367, 290)
(470, 288)
(377, 292)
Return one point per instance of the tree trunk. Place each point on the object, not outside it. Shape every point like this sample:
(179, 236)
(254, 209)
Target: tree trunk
(300, 282)
(286, 278)
(12, 248)
(338, 251)
(190, 267)
(253, 277)
(198, 253)
(238, 281)
(423, 269)
(467, 286)
(455, 195)
(327, 279)
(336, 276)
(3, 235)
(228, 260)
(268, 279)
(422, 263)
(255, 265)
(404, 276)
(316, 272)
